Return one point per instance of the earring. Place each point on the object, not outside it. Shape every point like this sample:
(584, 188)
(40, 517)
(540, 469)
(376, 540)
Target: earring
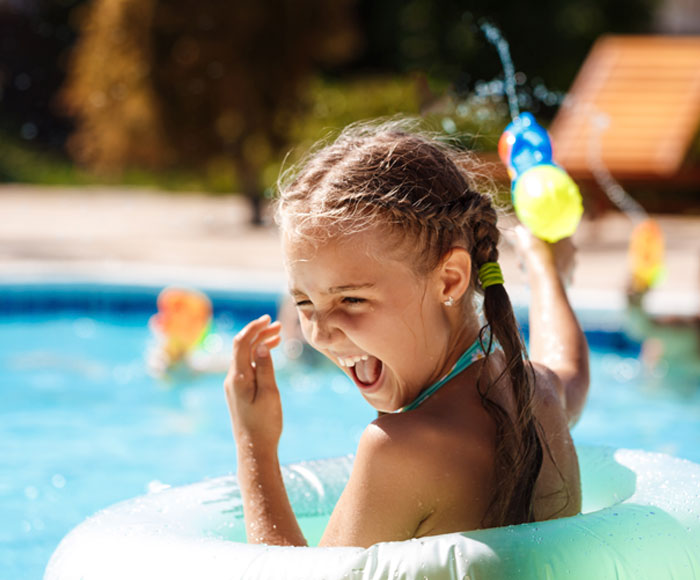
(449, 302)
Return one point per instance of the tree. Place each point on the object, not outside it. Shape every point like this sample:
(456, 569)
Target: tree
(175, 83)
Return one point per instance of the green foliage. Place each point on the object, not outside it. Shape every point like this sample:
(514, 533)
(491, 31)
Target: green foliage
(328, 106)
(21, 163)
(332, 104)
(24, 163)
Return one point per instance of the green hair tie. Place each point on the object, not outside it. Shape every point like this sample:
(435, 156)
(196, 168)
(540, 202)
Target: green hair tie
(490, 274)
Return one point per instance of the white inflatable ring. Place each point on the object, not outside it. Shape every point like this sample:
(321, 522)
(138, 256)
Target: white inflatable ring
(641, 520)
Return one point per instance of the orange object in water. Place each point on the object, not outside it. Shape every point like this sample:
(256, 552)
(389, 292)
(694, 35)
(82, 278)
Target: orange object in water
(184, 318)
(646, 255)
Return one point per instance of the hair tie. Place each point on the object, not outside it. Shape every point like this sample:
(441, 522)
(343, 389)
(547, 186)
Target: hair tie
(490, 274)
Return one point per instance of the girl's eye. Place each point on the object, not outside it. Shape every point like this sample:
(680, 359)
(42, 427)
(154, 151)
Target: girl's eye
(303, 302)
(352, 300)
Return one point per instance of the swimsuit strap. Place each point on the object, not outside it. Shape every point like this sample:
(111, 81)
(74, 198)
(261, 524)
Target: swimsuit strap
(469, 356)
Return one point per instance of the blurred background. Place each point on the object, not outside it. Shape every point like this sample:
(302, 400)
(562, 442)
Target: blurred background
(210, 96)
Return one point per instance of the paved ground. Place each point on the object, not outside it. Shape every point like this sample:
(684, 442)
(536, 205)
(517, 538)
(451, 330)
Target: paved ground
(142, 235)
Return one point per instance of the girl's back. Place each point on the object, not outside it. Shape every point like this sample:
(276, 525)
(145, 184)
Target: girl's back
(447, 451)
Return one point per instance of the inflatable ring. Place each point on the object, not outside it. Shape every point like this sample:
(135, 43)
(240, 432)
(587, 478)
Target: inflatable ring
(641, 520)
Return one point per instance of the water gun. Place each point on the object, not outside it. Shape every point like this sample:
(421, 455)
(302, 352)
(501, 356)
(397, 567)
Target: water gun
(545, 198)
(183, 320)
(646, 255)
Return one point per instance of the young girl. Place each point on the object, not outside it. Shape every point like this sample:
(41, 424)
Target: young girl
(387, 245)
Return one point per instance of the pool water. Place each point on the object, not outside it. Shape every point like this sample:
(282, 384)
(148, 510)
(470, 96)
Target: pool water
(83, 424)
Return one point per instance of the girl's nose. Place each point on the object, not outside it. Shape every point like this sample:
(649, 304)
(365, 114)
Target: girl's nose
(323, 331)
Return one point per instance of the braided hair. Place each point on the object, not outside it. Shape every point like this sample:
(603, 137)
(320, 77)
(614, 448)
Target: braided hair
(420, 190)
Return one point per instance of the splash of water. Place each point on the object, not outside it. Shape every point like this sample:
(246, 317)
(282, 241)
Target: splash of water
(599, 122)
(494, 36)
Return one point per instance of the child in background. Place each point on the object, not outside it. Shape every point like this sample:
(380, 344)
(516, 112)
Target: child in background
(181, 326)
(391, 253)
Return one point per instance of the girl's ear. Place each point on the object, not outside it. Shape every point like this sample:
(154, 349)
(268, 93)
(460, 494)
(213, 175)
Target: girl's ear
(454, 274)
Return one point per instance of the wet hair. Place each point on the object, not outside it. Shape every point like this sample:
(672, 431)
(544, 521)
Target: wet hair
(420, 190)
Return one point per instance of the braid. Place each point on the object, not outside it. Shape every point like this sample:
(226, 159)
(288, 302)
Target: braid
(519, 451)
(486, 234)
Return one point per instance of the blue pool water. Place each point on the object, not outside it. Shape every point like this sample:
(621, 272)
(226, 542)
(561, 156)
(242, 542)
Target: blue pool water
(83, 424)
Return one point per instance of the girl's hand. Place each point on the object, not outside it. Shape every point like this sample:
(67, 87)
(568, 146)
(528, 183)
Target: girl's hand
(250, 386)
(256, 414)
(539, 256)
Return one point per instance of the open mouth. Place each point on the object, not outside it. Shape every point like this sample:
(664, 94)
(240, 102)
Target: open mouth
(367, 371)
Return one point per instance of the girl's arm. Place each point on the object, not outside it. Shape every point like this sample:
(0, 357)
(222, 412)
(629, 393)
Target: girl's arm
(556, 339)
(256, 414)
(380, 500)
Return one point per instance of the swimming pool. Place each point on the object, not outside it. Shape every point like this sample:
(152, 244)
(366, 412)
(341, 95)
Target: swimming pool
(83, 425)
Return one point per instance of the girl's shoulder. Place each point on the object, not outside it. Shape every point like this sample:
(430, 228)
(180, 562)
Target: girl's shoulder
(427, 443)
(406, 481)
(440, 474)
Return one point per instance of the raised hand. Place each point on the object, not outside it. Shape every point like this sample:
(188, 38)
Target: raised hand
(251, 390)
(537, 255)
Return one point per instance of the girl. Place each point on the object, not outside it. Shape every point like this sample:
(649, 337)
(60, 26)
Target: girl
(387, 245)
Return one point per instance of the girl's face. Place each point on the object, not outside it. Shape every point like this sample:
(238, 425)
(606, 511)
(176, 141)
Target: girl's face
(371, 314)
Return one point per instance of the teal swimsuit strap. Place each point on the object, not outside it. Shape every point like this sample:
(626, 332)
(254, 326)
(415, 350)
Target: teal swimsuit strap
(469, 356)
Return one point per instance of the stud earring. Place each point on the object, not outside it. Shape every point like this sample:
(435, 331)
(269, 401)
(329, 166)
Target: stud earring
(449, 302)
